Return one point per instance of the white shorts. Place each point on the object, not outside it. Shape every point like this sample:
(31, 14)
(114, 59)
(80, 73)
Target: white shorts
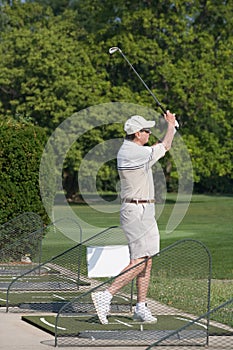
(141, 230)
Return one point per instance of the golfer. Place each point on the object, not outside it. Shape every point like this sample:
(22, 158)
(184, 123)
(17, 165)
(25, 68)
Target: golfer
(137, 212)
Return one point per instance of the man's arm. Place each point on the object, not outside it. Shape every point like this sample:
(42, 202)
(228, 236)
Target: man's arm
(167, 140)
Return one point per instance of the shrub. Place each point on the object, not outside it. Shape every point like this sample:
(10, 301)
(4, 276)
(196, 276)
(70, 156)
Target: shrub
(21, 147)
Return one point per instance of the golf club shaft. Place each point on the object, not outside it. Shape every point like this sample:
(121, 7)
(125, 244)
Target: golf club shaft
(114, 49)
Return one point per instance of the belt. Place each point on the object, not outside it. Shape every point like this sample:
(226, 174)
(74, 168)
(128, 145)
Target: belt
(138, 201)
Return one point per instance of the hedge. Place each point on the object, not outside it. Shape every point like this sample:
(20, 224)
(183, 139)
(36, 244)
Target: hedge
(21, 147)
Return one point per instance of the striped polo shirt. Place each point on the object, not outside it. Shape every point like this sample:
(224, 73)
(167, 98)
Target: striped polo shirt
(134, 164)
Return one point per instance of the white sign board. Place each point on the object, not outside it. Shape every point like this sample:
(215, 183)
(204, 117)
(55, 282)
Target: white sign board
(107, 261)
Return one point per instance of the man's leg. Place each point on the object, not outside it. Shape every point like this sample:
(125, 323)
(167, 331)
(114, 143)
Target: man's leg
(128, 276)
(142, 313)
(143, 280)
(102, 300)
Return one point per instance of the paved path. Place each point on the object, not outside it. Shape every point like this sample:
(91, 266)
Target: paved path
(18, 335)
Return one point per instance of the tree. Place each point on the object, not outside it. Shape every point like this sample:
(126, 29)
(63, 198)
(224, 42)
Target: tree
(56, 62)
(58, 6)
(46, 71)
(189, 64)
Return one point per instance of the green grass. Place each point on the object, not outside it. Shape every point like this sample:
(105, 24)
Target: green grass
(208, 219)
(55, 243)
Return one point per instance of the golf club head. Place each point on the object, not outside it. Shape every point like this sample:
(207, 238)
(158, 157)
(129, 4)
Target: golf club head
(113, 49)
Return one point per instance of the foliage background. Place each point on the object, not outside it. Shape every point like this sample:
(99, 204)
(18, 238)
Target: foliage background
(55, 62)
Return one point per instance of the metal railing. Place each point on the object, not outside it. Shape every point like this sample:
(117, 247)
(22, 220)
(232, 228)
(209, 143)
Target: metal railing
(179, 290)
(36, 286)
(20, 243)
(220, 333)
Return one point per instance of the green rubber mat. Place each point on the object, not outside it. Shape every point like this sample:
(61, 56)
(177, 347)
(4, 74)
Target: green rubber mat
(83, 325)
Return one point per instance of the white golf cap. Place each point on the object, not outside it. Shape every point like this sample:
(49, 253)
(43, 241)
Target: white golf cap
(137, 123)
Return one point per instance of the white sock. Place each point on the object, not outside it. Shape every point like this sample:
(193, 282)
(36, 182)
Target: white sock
(108, 294)
(140, 306)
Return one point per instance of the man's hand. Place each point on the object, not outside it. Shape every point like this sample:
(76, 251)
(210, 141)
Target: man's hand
(170, 118)
(172, 123)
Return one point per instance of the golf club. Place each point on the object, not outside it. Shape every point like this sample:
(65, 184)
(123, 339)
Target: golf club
(114, 49)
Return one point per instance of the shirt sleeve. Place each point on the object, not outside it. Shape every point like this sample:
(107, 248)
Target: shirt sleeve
(158, 151)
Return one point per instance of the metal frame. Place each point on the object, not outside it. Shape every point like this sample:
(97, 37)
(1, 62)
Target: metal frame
(78, 299)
